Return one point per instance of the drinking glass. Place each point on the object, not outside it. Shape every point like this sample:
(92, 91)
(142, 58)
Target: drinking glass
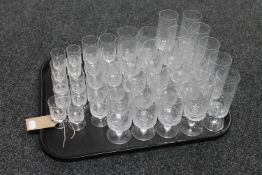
(126, 33)
(99, 112)
(58, 75)
(90, 49)
(166, 19)
(63, 101)
(79, 99)
(57, 114)
(73, 52)
(97, 95)
(144, 121)
(107, 42)
(130, 62)
(219, 61)
(220, 103)
(146, 33)
(76, 117)
(158, 82)
(112, 73)
(78, 84)
(95, 81)
(58, 59)
(60, 87)
(74, 60)
(135, 83)
(119, 120)
(116, 92)
(207, 51)
(144, 114)
(197, 98)
(169, 116)
(189, 17)
(152, 57)
(93, 68)
(199, 30)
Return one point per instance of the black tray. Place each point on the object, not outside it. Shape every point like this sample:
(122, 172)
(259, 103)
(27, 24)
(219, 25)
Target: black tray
(92, 141)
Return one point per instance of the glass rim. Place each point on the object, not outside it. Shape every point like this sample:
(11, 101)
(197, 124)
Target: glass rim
(213, 38)
(107, 34)
(203, 24)
(52, 51)
(231, 70)
(90, 36)
(197, 12)
(224, 54)
(149, 40)
(175, 13)
(126, 27)
(147, 27)
(75, 46)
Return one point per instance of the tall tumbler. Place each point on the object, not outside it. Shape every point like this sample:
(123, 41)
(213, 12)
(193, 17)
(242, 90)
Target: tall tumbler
(166, 19)
(219, 105)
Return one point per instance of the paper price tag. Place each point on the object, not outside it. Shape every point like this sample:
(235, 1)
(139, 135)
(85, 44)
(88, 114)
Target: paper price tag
(41, 122)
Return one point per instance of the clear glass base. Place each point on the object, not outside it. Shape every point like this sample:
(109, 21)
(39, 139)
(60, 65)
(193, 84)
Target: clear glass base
(213, 124)
(191, 128)
(118, 138)
(61, 125)
(166, 131)
(98, 122)
(79, 126)
(143, 134)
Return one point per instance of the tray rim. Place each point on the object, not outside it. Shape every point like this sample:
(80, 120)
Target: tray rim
(115, 152)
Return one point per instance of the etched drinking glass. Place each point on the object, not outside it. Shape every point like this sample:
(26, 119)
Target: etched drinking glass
(152, 57)
(74, 60)
(57, 114)
(130, 62)
(220, 103)
(169, 116)
(76, 117)
(119, 120)
(197, 99)
(58, 59)
(126, 33)
(144, 114)
(107, 43)
(166, 19)
(99, 113)
(189, 17)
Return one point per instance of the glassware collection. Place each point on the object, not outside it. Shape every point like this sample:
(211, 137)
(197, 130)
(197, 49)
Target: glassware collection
(166, 79)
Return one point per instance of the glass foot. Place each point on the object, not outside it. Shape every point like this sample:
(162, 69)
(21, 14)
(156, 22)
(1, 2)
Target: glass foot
(79, 126)
(61, 125)
(118, 138)
(213, 124)
(166, 131)
(191, 128)
(97, 122)
(143, 134)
